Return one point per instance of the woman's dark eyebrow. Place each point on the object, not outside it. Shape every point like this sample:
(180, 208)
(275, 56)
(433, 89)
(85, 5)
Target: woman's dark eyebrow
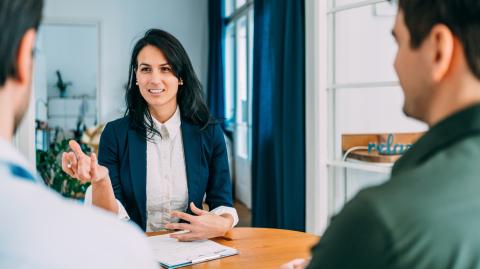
(145, 64)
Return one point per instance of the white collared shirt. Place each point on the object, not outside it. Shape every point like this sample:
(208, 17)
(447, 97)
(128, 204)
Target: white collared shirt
(9, 153)
(167, 188)
(166, 174)
(39, 226)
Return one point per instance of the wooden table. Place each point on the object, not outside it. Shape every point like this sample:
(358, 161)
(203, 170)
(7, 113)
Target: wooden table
(260, 248)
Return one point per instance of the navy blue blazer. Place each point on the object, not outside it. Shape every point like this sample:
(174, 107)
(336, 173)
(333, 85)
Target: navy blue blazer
(124, 152)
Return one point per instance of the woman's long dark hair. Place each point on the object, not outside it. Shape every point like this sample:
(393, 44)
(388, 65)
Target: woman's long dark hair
(189, 96)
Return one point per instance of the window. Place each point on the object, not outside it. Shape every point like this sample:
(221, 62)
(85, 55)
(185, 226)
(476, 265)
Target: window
(238, 72)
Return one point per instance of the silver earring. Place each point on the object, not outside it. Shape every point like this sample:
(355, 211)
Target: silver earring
(136, 83)
(180, 83)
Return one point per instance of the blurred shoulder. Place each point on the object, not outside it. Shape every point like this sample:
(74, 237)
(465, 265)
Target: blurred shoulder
(43, 227)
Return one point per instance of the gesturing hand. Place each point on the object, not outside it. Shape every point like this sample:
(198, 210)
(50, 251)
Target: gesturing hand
(81, 166)
(203, 226)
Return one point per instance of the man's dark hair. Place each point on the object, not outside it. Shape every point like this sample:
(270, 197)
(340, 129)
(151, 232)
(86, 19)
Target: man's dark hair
(462, 17)
(16, 18)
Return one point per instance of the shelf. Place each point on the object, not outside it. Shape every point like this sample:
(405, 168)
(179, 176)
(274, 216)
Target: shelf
(372, 157)
(380, 84)
(383, 168)
(354, 5)
(81, 97)
(70, 116)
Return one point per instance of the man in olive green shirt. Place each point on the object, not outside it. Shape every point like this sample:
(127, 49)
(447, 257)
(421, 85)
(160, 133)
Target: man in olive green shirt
(428, 214)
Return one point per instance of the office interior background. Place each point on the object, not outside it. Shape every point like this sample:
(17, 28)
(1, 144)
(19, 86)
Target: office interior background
(288, 78)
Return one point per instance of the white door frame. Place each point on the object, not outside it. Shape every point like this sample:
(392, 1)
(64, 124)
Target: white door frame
(316, 38)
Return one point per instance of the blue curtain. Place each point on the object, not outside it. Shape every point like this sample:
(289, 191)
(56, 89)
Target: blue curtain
(278, 165)
(215, 85)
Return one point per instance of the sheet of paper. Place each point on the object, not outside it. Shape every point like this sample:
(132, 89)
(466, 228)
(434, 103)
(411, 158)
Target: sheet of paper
(171, 252)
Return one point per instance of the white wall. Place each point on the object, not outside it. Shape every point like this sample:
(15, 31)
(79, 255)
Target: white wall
(73, 50)
(39, 85)
(122, 22)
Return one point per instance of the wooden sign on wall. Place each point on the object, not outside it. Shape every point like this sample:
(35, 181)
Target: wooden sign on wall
(378, 148)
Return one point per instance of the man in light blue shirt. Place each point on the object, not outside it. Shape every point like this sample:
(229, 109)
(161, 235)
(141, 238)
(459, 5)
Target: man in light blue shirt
(38, 228)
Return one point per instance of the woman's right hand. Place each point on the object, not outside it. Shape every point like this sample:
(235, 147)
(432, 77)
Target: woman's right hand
(81, 166)
(86, 169)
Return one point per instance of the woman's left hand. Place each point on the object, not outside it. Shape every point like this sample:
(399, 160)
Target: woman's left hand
(203, 226)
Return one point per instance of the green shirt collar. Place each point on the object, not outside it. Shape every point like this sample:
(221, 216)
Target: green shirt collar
(448, 131)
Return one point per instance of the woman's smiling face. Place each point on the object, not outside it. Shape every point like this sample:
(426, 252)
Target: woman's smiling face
(156, 80)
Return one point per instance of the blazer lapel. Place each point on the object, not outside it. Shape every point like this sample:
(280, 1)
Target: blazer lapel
(192, 149)
(137, 147)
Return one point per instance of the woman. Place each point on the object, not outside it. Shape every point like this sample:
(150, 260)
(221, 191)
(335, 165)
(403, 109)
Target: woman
(157, 163)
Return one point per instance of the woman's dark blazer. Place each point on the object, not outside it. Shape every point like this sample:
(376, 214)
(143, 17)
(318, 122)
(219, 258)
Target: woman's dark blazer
(124, 152)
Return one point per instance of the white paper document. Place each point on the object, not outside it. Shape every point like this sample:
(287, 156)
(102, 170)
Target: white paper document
(171, 253)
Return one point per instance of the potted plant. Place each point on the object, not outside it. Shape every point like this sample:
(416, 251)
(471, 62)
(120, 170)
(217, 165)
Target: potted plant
(49, 166)
(61, 85)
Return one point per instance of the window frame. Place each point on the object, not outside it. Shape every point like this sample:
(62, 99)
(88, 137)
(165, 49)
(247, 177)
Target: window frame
(231, 123)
